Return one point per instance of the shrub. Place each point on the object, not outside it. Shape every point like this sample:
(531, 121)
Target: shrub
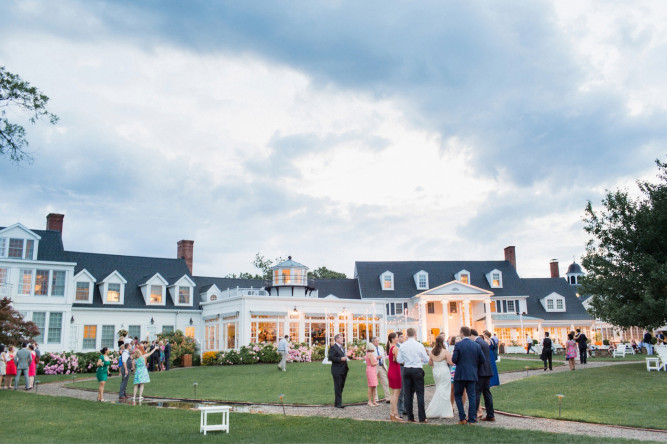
(180, 345)
(300, 353)
(230, 357)
(267, 352)
(209, 358)
(605, 341)
(317, 353)
(248, 355)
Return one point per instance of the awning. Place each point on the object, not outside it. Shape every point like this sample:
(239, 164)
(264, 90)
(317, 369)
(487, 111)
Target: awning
(269, 313)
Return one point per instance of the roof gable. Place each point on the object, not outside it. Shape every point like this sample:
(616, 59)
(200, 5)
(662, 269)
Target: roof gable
(456, 287)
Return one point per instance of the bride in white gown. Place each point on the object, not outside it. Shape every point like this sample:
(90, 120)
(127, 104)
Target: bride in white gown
(440, 359)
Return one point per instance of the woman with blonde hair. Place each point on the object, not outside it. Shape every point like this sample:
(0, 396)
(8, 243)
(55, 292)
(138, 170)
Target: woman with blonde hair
(141, 372)
(371, 373)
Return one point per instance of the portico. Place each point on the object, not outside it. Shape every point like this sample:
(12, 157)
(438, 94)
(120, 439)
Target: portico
(444, 309)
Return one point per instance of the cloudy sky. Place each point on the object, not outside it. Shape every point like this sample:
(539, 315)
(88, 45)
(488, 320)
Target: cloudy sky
(334, 131)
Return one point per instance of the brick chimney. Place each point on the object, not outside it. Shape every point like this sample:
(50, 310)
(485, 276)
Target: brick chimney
(54, 222)
(555, 273)
(185, 251)
(510, 255)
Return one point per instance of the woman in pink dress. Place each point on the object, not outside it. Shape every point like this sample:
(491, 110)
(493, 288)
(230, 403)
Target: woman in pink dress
(371, 373)
(32, 370)
(571, 349)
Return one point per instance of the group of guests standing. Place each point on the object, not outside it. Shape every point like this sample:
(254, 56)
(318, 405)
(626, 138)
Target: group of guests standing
(463, 367)
(15, 363)
(135, 357)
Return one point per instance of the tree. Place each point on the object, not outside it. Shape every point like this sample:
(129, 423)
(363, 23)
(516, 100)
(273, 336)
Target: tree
(26, 98)
(325, 273)
(13, 328)
(626, 258)
(265, 264)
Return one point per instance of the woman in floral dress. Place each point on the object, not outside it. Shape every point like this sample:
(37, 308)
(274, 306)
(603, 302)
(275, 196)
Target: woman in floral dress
(141, 372)
(571, 349)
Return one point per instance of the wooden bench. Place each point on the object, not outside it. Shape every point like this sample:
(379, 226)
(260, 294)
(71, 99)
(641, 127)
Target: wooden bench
(204, 426)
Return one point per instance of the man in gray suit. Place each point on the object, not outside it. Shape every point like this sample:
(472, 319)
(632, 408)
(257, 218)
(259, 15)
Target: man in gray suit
(22, 360)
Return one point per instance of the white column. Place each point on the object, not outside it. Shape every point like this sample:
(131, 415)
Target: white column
(460, 306)
(445, 319)
(422, 318)
(466, 313)
(489, 321)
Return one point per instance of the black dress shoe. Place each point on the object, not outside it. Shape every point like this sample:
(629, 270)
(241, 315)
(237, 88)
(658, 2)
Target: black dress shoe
(339, 406)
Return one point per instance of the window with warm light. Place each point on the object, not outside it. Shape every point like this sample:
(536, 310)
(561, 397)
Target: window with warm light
(41, 282)
(156, 294)
(190, 332)
(113, 293)
(82, 291)
(89, 336)
(464, 279)
(496, 279)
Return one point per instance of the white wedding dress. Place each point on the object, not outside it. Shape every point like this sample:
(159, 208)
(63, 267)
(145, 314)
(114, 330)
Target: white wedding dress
(441, 405)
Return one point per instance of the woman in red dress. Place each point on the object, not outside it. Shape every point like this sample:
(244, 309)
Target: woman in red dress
(32, 370)
(394, 376)
(11, 367)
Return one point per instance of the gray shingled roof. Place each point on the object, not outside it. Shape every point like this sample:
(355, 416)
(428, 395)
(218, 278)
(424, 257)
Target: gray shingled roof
(439, 272)
(541, 287)
(341, 288)
(134, 270)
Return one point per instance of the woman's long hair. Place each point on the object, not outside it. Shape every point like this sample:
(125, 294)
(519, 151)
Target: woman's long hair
(439, 345)
(391, 338)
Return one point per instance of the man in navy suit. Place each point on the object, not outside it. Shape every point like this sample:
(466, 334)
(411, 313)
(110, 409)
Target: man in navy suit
(484, 374)
(339, 369)
(467, 356)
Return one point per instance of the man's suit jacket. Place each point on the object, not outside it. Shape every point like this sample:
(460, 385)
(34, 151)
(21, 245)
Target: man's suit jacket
(484, 368)
(467, 357)
(167, 351)
(338, 367)
(23, 358)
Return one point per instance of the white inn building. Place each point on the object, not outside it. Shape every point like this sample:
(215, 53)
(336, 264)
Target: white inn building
(80, 300)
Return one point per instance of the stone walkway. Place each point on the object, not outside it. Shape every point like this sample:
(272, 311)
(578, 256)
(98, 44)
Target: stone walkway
(381, 413)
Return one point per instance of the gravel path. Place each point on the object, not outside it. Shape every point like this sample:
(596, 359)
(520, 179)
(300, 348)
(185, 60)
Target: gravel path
(381, 413)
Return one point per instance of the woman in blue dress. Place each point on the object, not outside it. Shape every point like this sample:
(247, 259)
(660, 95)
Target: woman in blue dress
(141, 372)
(493, 351)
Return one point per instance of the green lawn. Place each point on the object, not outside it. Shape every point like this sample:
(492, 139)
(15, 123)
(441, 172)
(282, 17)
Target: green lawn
(628, 358)
(303, 383)
(77, 421)
(621, 395)
(508, 365)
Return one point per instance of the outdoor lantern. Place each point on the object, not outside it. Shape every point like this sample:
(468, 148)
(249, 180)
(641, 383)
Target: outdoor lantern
(152, 321)
(71, 321)
(191, 321)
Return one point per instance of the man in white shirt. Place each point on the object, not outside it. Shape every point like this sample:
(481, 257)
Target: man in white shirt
(412, 355)
(381, 369)
(282, 349)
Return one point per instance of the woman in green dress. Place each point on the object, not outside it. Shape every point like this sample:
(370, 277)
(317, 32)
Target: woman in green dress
(102, 372)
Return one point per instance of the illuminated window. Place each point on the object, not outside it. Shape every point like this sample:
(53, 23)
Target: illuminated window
(89, 336)
(82, 291)
(190, 332)
(496, 279)
(113, 293)
(156, 294)
(453, 308)
(464, 279)
(25, 282)
(183, 295)
(387, 280)
(42, 282)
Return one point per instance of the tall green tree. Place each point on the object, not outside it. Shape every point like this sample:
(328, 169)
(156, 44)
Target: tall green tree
(13, 328)
(325, 273)
(17, 93)
(626, 258)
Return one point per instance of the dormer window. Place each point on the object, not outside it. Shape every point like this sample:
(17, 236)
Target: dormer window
(112, 289)
(387, 281)
(84, 287)
(463, 276)
(181, 291)
(113, 293)
(421, 280)
(82, 292)
(553, 302)
(495, 278)
(156, 294)
(18, 242)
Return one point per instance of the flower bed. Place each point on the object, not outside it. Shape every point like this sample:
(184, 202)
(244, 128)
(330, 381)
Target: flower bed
(67, 363)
